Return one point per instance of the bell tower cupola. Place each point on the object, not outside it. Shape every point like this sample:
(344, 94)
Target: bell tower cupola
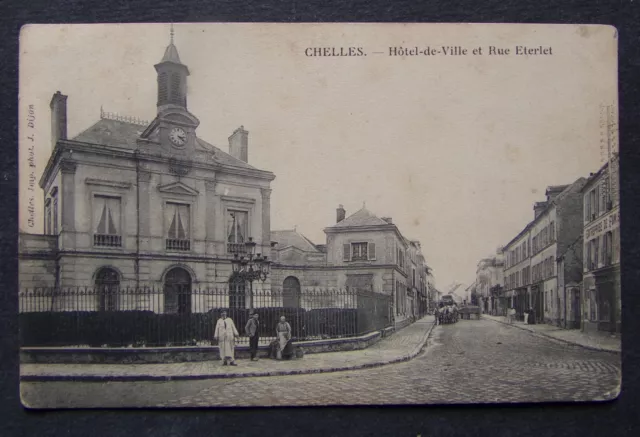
(172, 79)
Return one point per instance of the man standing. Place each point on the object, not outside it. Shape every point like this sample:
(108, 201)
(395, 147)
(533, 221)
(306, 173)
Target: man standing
(251, 330)
(226, 334)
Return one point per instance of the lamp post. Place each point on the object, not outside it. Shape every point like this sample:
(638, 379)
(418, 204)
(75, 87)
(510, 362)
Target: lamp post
(250, 267)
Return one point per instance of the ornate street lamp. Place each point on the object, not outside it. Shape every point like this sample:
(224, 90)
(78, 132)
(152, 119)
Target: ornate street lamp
(251, 267)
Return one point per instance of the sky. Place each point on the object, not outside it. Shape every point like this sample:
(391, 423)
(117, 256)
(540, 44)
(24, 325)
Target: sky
(456, 149)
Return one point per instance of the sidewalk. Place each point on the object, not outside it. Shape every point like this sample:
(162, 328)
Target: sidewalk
(599, 342)
(401, 346)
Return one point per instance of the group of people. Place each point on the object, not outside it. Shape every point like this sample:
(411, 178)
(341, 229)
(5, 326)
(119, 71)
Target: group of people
(226, 333)
(529, 316)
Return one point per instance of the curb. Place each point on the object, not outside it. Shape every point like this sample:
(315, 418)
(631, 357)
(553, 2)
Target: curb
(130, 378)
(562, 340)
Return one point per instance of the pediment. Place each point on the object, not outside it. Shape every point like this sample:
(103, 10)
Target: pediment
(178, 188)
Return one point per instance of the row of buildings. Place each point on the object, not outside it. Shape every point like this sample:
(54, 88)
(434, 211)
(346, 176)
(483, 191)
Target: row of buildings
(130, 204)
(565, 263)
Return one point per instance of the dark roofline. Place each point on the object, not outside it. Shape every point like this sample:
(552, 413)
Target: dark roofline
(597, 174)
(551, 204)
(301, 235)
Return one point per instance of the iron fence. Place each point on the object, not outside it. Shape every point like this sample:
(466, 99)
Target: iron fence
(180, 315)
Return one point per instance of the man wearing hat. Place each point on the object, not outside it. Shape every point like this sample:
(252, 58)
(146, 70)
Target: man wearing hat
(226, 334)
(252, 332)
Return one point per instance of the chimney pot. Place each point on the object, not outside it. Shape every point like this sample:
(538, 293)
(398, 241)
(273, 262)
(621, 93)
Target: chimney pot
(538, 207)
(58, 107)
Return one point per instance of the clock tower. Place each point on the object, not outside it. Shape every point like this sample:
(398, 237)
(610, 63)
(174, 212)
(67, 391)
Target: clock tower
(174, 126)
(172, 79)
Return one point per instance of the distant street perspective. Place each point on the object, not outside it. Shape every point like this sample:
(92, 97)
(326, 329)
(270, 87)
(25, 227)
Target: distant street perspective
(470, 361)
(373, 253)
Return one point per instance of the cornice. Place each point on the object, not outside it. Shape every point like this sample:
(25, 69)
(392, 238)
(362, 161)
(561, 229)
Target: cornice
(107, 183)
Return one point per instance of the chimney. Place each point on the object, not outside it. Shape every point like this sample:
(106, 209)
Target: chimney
(239, 144)
(553, 191)
(58, 107)
(538, 207)
(388, 220)
(340, 213)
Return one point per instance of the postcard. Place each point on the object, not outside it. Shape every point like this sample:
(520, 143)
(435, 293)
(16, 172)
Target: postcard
(241, 215)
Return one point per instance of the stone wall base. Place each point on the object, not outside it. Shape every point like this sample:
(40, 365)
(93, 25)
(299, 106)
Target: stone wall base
(55, 355)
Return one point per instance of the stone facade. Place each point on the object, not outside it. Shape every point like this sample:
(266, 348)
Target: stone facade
(541, 263)
(145, 202)
(489, 280)
(601, 296)
(361, 251)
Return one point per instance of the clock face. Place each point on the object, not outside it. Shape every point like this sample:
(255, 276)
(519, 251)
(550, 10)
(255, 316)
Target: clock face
(178, 136)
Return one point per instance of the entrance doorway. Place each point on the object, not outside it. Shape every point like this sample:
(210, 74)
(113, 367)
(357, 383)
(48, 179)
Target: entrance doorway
(291, 292)
(177, 291)
(577, 310)
(107, 285)
(237, 293)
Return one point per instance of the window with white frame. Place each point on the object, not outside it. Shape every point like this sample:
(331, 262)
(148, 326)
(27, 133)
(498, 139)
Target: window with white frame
(359, 251)
(237, 231)
(47, 223)
(106, 221)
(178, 220)
(55, 216)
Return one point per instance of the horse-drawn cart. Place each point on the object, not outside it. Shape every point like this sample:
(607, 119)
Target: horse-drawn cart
(467, 311)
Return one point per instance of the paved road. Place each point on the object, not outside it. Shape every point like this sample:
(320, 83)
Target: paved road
(468, 362)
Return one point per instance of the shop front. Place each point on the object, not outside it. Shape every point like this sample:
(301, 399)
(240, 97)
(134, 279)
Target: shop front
(607, 285)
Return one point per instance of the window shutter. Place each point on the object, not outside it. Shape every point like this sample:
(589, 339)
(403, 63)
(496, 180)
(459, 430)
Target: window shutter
(346, 252)
(372, 251)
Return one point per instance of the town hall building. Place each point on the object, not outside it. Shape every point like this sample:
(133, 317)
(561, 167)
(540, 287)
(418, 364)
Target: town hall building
(131, 204)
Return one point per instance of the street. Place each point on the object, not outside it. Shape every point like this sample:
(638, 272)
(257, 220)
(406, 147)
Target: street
(470, 361)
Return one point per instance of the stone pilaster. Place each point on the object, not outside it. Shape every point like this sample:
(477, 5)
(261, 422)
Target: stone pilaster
(266, 220)
(144, 215)
(68, 200)
(212, 216)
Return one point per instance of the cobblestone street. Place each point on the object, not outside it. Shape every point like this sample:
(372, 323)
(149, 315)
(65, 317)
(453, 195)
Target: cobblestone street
(468, 362)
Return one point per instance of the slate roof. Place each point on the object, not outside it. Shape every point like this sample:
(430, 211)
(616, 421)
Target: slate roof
(363, 217)
(293, 238)
(171, 55)
(112, 133)
(580, 182)
(116, 133)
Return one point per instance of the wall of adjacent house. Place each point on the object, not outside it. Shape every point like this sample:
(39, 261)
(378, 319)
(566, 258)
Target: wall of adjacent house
(385, 242)
(37, 267)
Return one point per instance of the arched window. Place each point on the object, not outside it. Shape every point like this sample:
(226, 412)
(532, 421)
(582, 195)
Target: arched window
(291, 292)
(107, 286)
(177, 291)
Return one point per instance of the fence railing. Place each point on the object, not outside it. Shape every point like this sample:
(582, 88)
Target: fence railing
(180, 315)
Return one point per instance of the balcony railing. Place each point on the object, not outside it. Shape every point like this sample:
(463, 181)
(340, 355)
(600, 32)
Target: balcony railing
(236, 248)
(105, 240)
(176, 244)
